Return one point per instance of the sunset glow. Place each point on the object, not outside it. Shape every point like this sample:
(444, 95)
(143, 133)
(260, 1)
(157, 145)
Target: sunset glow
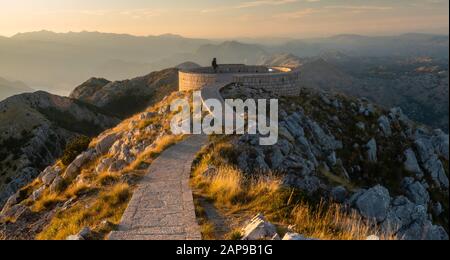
(231, 18)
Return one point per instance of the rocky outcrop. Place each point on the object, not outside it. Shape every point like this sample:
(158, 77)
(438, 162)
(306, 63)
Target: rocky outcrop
(411, 163)
(84, 234)
(399, 216)
(34, 129)
(259, 229)
(372, 150)
(295, 236)
(330, 146)
(374, 203)
(74, 168)
(430, 159)
(127, 97)
(109, 153)
(385, 125)
(416, 191)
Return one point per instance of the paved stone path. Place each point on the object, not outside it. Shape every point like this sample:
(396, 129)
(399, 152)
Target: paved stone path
(162, 207)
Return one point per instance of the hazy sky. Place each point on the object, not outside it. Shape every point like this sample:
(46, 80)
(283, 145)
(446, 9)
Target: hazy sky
(226, 18)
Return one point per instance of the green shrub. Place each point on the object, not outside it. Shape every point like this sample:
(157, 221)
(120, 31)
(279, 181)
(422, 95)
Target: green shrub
(74, 148)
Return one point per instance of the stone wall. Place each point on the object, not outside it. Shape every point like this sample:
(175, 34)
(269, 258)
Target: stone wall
(283, 84)
(280, 80)
(194, 81)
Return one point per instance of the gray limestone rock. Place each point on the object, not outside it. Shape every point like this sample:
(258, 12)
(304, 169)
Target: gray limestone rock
(374, 203)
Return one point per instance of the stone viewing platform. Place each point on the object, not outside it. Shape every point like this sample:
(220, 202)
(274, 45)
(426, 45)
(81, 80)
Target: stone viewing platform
(281, 80)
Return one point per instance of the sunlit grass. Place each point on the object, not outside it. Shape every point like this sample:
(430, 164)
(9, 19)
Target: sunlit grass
(110, 206)
(234, 192)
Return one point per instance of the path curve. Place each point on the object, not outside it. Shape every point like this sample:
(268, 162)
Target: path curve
(162, 206)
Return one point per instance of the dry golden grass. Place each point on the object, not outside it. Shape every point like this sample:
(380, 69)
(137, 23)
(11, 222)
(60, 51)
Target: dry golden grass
(150, 154)
(46, 201)
(226, 186)
(76, 190)
(332, 222)
(108, 178)
(110, 206)
(232, 192)
(208, 231)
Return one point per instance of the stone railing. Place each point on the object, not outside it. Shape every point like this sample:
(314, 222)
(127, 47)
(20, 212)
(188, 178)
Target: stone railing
(281, 80)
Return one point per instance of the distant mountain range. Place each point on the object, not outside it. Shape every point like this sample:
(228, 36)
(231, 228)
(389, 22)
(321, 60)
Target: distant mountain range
(10, 88)
(57, 62)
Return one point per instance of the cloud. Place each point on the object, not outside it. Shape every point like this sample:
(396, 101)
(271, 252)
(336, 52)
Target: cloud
(296, 14)
(258, 3)
(252, 4)
(360, 7)
(133, 13)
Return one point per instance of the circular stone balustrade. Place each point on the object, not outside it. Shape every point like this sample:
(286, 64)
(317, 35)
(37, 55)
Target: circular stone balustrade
(280, 80)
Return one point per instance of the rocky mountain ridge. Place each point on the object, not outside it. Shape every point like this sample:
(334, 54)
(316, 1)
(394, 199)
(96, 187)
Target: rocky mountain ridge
(35, 127)
(127, 97)
(382, 164)
(113, 163)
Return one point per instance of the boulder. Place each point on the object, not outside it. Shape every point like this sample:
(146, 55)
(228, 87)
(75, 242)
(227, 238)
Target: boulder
(15, 212)
(86, 233)
(327, 142)
(276, 158)
(50, 174)
(295, 236)
(385, 126)
(37, 193)
(13, 200)
(285, 134)
(57, 184)
(440, 141)
(410, 221)
(285, 146)
(374, 203)
(396, 113)
(103, 165)
(339, 194)
(104, 144)
(435, 169)
(259, 229)
(309, 184)
(424, 148)
(75, 238)
(411, 163)
(423, 231)
(373, 238)
(292, 125)
(415, 192)
(74, 168)
(372, 150)
(117, 165)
